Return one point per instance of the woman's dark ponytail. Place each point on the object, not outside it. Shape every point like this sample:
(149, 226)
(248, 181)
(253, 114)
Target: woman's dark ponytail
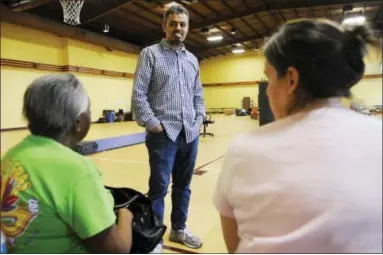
(354, 45)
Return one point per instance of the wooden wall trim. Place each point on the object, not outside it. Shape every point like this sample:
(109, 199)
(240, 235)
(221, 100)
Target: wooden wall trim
(66, 68)
(372, 76)
(26, 128)
(80, 69)
(249, 83)
(240, 83)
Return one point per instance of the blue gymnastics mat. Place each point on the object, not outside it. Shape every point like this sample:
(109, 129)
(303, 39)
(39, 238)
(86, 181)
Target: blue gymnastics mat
(90, 147)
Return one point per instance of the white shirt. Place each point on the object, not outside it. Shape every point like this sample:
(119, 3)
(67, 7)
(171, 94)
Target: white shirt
(310, 183)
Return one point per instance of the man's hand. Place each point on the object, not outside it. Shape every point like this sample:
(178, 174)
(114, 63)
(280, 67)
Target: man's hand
(157, 129)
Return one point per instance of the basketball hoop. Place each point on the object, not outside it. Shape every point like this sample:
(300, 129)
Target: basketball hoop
(72, 9)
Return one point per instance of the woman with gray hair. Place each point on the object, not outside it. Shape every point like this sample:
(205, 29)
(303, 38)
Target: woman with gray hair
(53, 199)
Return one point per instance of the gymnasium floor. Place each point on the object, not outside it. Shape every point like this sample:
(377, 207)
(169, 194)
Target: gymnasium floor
(129, 167)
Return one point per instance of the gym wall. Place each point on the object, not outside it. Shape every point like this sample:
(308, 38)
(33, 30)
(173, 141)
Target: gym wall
(109, 92)
(246, 69)
(224, 72)
(26, 44)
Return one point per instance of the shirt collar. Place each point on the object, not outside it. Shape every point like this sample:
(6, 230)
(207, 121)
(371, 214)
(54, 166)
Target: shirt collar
(166, 45)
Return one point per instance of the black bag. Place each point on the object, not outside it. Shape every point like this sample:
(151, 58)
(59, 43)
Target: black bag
(85, 148)
(147, 229)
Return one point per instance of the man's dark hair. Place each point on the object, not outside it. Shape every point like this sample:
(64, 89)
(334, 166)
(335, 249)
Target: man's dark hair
(175, 9)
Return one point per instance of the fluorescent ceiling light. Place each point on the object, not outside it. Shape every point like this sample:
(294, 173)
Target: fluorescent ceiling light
(358, 20)
(237, 51)
(215, 38)
(106, 29)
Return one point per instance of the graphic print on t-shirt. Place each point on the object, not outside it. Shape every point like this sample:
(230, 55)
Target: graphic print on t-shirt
(16, 215)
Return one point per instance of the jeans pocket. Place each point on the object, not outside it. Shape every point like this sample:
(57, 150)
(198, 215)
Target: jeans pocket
(157, 137)
(157, 133)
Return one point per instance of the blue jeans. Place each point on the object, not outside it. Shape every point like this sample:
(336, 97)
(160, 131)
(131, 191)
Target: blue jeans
(178, 160)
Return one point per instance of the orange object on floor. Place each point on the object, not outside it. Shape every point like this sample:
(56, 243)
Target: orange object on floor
(254, 113)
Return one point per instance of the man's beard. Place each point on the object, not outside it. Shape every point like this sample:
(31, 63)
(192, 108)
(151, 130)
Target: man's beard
(176, 42)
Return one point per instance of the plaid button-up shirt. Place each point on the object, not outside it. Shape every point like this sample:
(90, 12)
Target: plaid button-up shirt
(167, 90)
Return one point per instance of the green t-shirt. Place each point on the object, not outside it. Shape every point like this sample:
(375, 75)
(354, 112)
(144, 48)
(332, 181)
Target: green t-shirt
(51, 198)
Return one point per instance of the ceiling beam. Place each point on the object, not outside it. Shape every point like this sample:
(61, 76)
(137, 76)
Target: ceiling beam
(282, 16)
(143, 18)
(261, 22)
(245, 4)
(311, 12)
(191, 8)
(328, 11)
(202, 51)
(227, 6)
(275, 19)
(29, 5)
(150, 32)
(208, 6)
(271, 7)
(379, 14)
(249, 26)
(106, 8)
(158, 3)
(296, 13)
(50, 26)
(145, 8)
(240, 31)
(228, 34)
(132, 36)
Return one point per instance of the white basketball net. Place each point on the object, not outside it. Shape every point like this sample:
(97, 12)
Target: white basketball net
(72, 9)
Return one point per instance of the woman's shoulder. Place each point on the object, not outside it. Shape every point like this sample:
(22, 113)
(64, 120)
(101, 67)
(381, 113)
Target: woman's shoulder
(244, 147)
(74, 163)
(41, 155)
(257, 136)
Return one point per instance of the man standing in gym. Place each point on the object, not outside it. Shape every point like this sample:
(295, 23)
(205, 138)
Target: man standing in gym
(168, 101)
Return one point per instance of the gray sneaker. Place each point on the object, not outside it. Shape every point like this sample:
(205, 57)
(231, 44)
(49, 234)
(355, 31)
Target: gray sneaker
(185, 237)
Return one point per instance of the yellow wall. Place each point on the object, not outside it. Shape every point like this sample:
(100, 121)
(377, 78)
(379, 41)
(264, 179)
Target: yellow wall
(26, 44)
(94, 56)
(229, 96)
(234, 68)
(249, 67)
